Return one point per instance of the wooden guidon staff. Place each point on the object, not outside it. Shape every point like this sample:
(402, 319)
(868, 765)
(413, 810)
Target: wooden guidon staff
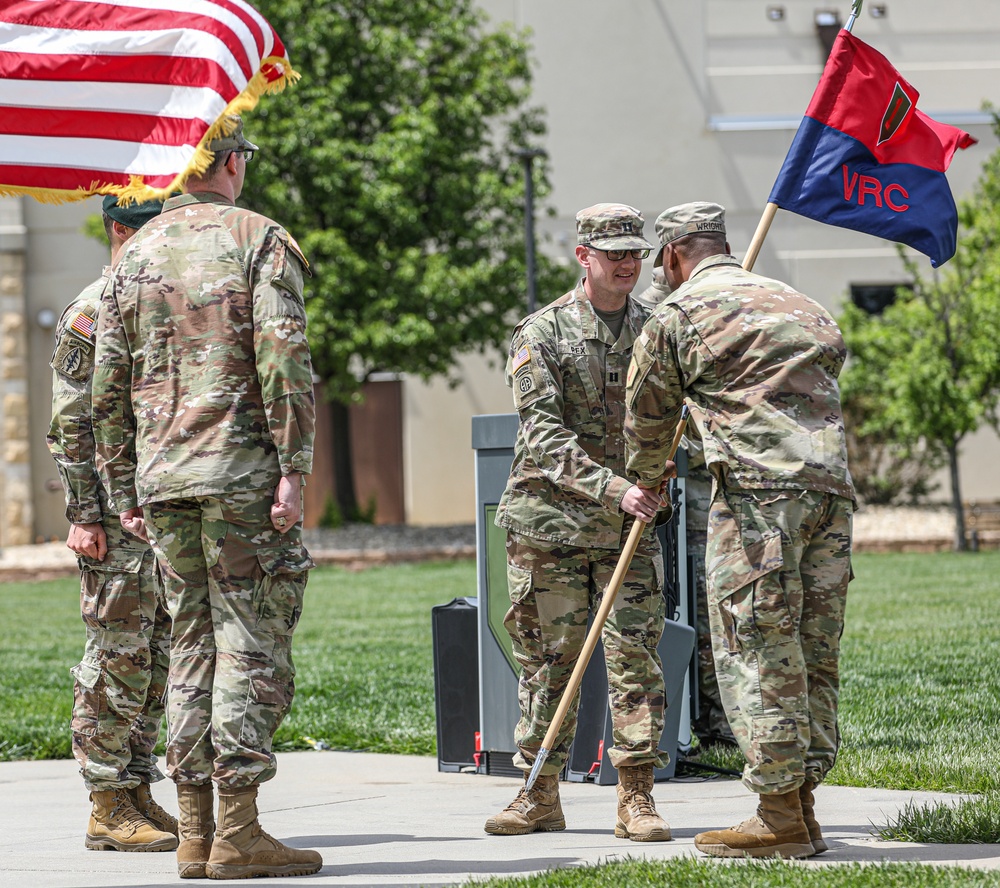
(600, 618)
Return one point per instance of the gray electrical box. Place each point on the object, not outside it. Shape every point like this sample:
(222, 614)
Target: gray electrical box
(493, 439)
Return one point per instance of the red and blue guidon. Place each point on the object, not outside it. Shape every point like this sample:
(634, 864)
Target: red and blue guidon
(867, 159)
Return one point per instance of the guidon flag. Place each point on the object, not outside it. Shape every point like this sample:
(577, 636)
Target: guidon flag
(121, 97)
(866, 158)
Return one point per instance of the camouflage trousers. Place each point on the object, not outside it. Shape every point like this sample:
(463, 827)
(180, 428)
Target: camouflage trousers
(711, 721)
(779, 562)
(234, 589)
(553, 588)
(119, 685)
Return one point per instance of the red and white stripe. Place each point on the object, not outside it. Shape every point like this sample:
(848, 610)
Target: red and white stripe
(93, 92)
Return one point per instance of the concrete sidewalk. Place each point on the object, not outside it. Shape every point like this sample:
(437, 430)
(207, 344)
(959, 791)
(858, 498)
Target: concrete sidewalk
(384, 820)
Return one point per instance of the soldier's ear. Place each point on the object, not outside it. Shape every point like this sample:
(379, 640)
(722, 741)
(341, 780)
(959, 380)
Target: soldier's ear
(122, 231)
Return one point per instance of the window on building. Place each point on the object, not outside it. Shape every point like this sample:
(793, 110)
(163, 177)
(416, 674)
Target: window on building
(828, 26)
(874, 298)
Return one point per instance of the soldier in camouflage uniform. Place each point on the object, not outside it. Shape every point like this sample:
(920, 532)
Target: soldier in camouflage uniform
(656, 292)
(119, 685)
(757, 363)
(204, 418)
(567, 509)
(711, 724)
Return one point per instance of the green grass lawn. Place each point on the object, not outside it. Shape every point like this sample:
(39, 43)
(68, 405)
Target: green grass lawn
(364, 670)
(921, 667)
(920, 675)
(919, 708)
(362, 654)
(688, 872)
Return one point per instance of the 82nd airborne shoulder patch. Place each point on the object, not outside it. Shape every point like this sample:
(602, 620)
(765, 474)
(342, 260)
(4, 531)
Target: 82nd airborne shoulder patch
(528, 380)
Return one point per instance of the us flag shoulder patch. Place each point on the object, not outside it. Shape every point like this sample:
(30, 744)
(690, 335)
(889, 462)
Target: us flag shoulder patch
(84, 326)
(521, 358)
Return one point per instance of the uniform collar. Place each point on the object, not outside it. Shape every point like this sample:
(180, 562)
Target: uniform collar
(588, 317)
(712, 261)
(185, 200)
(590, 326)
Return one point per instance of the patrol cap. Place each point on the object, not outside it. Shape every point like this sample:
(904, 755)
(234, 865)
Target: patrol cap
(234, 140)
(610, 226)
(689, 218)
(135, 215)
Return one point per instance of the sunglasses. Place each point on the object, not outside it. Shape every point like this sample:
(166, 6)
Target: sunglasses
(618, 255)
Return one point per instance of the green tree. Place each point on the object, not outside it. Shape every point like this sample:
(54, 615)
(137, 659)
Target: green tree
(393, 163)
(926, 372)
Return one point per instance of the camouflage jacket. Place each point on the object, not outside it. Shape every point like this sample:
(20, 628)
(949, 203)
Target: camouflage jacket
(71, 435)
(567, 374)
(203, 379)
(653, 295)
(757, 362)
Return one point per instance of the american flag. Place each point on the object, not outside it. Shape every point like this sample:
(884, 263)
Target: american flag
(522, 358)
(117, 96)
(84, 324)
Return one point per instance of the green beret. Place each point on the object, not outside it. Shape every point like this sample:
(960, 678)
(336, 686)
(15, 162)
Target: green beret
(135, 215)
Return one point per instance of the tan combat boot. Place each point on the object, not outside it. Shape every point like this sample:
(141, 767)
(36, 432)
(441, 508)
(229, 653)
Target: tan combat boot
(809, 817)
(538, 809)
(196, 828)
(637, 817)
(146, 805)
(776, 830)
(115, 825)
(242, 850)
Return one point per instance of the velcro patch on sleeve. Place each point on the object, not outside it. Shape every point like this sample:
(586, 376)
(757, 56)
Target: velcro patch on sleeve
(84, 326)
(530, 382)
(73, 357)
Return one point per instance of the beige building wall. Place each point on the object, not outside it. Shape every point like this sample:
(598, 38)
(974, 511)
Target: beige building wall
(59, 263)
(650, 102)
(439, 463)
(16, 514)
(661, 102)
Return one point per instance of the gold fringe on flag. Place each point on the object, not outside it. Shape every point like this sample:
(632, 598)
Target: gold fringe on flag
(275, 73)
(281, 75)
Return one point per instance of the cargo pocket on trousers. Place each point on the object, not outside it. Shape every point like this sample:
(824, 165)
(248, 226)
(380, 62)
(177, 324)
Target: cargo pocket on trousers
(774, 743)
(109, 590)
(280, 590)
(268, 702)
(520, 622)
(88, 698)
(518, 583)
(747, 620)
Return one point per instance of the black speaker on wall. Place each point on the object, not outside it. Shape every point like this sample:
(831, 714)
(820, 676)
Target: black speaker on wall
(454, 627)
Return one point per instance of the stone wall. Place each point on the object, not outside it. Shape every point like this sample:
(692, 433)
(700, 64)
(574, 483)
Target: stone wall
(15, 452)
